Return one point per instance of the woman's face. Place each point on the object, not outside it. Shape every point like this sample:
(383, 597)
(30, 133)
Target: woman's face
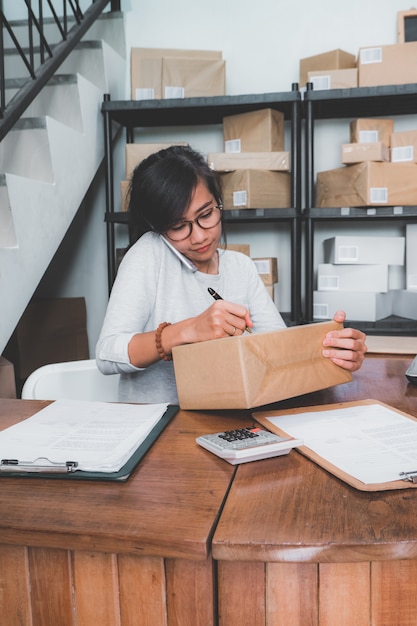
(201, 245)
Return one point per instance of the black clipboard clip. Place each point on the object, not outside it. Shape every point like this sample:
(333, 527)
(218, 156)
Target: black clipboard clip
(12, 466)
(409, 476)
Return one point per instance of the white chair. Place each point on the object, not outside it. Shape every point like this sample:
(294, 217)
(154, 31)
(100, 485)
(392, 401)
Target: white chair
(76, 380)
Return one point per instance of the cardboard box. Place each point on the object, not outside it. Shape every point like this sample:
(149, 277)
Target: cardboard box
(407, 25)
(364, 250)
(124, 195)
(229, 161)
(49, 331)
(135, 153)
(411, 256)
(368, 184)
(333, 277)
(248, 371)
(7, 379)
(191, 78)
(244, 248)
(404, 146)
(331, 60)
(256, 131)
(395, 64)
(333, 79)
(360, 152)
(271, 291)
(405, 304)
(371, 130)
(358, 305)
(267, 269)
(146, 69)
(256, 189)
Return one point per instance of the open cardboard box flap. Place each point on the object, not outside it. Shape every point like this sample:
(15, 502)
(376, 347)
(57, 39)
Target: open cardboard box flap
(253, 370)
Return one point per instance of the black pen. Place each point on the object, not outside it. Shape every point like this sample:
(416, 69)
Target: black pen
(216, 296)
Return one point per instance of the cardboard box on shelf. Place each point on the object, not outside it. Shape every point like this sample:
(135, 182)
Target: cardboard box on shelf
(255, 131)
(191, 78)
(135, 153)
(404, 146)
(405, 303)
(411, 256)
(51, 330)
(124, 195)
(358, 305)
(333, 79)
(271, 291)
(256, 189)
(7, 379)
(360, 152)
(248, 371)
(407, 25)
(368, 184)
(394, 64)
(267, 269)
(229, 161)
(371, 130)
(363, 250)
(333, 277)
(146, 69)
(330, 60)
(244, 248)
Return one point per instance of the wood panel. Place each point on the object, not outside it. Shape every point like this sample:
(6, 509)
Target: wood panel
(344, 594)
(191, 593)
(96, 589)
(394, 593)
(292, 594)
(51, 587)
(142, 591)
(241, 593)
(15, 601)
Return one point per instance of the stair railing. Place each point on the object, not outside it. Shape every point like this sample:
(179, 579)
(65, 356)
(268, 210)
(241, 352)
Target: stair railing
(40, 57)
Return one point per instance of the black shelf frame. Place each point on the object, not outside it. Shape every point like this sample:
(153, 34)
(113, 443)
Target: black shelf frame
(392, 100)
(133, 115)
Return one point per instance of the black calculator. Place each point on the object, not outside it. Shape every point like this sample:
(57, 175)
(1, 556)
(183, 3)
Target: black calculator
(247, 444)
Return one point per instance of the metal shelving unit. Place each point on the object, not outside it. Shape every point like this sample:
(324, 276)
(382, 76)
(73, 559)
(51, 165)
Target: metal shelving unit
(133, 115)
(387, 100)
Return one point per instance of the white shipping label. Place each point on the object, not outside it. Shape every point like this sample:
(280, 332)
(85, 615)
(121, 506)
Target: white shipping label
(174, 92)
(378, 195)
(240, 198)
(402, 153)
(370, 55)
(327, 282)
(232, 145)
(145, 93)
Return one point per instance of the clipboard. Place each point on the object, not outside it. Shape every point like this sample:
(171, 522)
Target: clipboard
(121, 475)
(406, 483)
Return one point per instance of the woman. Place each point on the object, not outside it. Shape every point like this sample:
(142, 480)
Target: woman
(161, 297)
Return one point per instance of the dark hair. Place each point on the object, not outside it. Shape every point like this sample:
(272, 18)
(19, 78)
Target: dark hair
(162, 186)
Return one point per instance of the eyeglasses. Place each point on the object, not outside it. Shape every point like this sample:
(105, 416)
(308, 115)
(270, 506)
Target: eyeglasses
(208, 219)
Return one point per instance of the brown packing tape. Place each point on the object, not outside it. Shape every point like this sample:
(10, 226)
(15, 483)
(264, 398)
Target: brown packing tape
(253, 370)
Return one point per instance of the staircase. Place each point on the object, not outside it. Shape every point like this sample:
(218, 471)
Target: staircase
(49, 159)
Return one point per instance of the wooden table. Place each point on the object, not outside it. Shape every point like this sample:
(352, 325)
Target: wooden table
(293, 544)
(298, 547)
(115, 554)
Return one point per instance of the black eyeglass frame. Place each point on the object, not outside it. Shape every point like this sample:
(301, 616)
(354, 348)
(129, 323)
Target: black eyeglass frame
(195, 221)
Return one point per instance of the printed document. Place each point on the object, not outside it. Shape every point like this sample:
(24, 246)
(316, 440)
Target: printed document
(99, 436)
(372, 443)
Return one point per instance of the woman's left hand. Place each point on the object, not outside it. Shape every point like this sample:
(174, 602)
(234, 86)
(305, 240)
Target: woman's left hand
(346, 347)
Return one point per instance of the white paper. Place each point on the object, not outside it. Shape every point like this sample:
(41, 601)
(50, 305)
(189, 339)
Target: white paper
(99, 436)
(372, 443)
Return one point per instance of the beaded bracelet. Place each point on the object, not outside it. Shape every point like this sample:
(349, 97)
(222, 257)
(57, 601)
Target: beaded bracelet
(164, 356)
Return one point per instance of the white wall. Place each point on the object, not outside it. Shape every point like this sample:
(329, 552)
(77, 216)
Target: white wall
(262, 43)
